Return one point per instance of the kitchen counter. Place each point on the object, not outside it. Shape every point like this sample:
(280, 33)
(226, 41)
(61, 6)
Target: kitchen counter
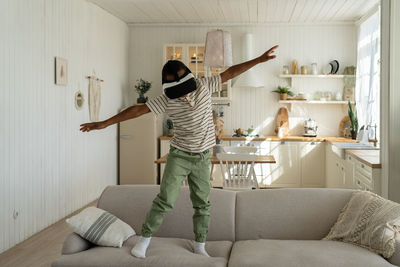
(330, 139)
(369, 157)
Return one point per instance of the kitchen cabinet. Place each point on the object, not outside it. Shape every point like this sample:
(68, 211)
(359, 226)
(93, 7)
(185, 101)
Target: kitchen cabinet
(335, 169)
(286, 172)
(350, 172)
(192, 56)
(312, 156)
(367, 178)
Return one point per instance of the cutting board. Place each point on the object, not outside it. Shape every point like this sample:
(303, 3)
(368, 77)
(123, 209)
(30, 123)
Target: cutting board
(282, 120)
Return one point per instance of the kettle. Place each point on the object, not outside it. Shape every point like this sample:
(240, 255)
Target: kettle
(310, 128)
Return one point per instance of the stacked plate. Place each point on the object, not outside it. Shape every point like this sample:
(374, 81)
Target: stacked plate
(332, 67)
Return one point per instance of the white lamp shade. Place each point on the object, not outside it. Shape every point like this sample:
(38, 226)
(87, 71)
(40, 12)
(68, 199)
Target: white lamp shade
(218, 50)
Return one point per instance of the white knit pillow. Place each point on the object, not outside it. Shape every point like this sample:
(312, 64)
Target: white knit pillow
(368, 221)
(100, 227)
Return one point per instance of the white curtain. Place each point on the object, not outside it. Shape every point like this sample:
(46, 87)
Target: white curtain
(368, 72)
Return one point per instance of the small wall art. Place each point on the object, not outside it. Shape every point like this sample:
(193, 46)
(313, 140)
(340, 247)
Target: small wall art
(61, 67)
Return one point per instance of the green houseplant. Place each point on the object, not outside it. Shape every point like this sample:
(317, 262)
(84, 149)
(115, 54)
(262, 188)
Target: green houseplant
(142, 87)
(170, 127)
(353, 119)
(283, 92)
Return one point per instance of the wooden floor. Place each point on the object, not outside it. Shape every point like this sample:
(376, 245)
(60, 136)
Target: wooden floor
(42, 248)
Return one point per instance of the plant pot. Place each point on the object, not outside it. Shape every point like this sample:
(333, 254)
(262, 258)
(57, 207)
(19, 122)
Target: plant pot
(170, 132)
(353, 135)
(283, 96)
(141, 99)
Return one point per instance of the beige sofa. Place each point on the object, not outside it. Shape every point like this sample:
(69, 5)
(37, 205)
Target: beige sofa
(276, 227)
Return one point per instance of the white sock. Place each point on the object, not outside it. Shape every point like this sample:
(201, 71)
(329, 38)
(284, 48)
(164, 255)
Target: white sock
(199, 248)
(139, 250)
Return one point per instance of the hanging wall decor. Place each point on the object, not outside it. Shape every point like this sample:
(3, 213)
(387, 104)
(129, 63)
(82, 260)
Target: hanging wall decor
(79, 100)
(61, 68)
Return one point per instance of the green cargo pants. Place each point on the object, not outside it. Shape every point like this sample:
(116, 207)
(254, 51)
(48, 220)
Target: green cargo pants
(179, 165)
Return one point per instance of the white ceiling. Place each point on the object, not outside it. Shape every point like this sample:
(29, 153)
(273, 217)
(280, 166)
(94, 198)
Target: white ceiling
(237, 11)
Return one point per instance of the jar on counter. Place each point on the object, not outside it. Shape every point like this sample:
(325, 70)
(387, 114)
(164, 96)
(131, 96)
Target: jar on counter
(303, 70)
(294, 67)
(285, 70)
(314, 70)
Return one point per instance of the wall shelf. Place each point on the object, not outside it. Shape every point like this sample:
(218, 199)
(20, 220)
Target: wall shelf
(290, 102)
(331, 76)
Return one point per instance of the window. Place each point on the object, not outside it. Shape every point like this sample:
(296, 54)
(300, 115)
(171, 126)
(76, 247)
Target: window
(368, 72)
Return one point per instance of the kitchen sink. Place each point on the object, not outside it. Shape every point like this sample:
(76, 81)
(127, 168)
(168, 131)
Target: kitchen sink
(354, 146)
(339, 148)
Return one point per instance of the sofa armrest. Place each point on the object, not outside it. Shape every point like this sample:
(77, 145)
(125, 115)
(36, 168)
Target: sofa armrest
(395, 259)
(75, 243)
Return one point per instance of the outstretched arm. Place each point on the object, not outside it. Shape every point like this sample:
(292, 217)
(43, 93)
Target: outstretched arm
(129, 113)
(238, 69)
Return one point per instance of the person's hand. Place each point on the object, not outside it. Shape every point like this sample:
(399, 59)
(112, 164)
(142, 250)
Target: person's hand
(87, 127)
(267, 55)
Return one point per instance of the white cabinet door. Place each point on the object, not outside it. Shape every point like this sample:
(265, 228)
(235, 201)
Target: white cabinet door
(286, 171)
(350, 169)
(312, 156)
(335, 169)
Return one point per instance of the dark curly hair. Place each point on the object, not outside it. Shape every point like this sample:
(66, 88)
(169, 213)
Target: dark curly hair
(171, 68)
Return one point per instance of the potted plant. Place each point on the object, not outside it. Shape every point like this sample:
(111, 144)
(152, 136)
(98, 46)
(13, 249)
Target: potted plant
(283, 92)
(170, 127)
(142, 87)
(353, 119)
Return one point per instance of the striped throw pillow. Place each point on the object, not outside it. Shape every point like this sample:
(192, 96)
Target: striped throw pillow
(100, 227)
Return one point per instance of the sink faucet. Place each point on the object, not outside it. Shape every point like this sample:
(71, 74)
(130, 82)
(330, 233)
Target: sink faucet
(375, 141)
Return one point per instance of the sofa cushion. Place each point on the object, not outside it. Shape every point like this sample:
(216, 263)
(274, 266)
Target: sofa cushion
(299, 253)
(161, 252)
(290, 213)
(369, 221)
(130, 203)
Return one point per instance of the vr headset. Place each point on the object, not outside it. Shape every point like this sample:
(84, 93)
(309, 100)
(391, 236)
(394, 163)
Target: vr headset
(179, 86)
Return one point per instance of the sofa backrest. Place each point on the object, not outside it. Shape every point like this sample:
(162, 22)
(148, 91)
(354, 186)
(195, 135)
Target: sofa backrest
(131, 203)
(289, 214)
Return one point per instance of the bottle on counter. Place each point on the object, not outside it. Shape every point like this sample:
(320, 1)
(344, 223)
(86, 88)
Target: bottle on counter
(294, 67)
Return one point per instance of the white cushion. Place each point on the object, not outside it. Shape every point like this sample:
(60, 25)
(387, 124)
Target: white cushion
(100, 227)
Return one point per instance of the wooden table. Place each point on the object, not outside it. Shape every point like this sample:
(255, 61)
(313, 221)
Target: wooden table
(214, 160)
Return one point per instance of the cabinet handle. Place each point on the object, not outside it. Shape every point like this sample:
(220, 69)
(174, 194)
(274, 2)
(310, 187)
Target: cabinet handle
(342, 169)
(125, 136)
(349, 157)
(337, 164)
(312, 143)
(283, 142)
(362, 166)
(358, 182)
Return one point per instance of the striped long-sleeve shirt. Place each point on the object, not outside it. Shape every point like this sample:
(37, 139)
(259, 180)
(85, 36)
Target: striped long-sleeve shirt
(194, 129)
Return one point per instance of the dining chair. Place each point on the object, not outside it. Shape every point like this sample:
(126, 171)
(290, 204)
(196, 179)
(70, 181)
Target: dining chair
(238, 170)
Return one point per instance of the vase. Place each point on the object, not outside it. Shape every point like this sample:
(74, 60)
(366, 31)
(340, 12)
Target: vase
(353, 135)
(141, 99)
(283, 96)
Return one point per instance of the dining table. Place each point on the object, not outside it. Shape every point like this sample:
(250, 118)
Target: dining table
(261, 159)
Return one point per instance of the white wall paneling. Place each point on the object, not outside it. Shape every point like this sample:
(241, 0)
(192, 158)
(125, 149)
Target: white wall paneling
(48, 167)
(250, 106)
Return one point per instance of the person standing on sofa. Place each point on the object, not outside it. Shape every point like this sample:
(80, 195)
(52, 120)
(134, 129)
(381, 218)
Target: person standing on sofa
(187, 101)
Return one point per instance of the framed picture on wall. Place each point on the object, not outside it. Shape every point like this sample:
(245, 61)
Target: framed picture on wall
(61, 75)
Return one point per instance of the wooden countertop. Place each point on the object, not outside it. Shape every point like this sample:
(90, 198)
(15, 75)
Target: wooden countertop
(276, 138)
(214, 160)
(369, 157)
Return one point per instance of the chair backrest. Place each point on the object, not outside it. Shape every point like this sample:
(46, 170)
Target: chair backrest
(240, 149)
(238, 170)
